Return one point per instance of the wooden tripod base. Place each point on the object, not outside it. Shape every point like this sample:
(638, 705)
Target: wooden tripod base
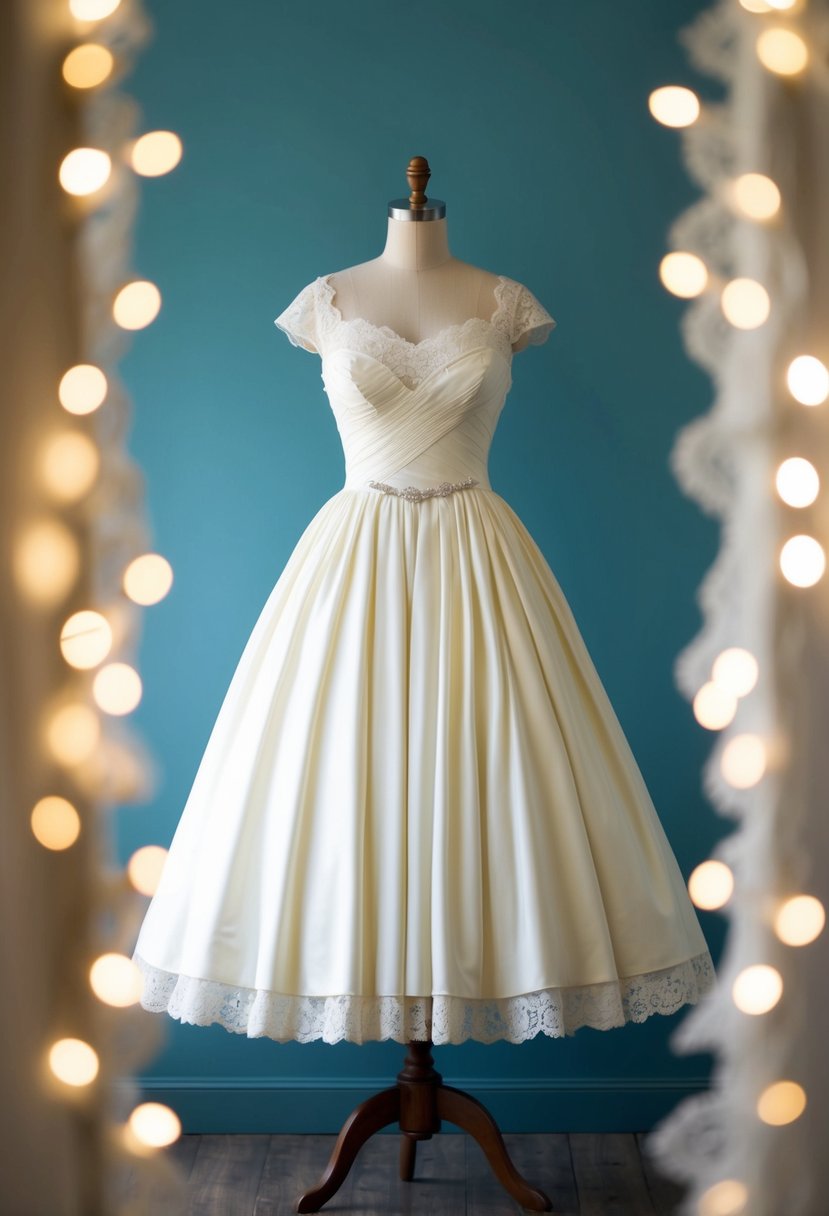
(418, 1102)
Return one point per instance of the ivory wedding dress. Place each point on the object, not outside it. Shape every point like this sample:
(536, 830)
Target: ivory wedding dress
(417, 814)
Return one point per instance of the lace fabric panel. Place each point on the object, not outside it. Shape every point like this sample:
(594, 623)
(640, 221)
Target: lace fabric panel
(530, 317)
(411, 362)
(299, 320)
(313, 322)
(444, 1019)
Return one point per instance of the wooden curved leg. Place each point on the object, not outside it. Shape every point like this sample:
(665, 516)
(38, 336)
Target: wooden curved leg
(408, 1149)
(367, 1118)
(467, 1112)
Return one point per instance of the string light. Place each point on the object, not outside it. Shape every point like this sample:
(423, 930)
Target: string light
(148, 578)
(674, 106)
(84, 170)
(757, 989)
(743, 760)
(46, 557)
(117, 688)
(802, 560)
(85, 639)
(755, 196)
(711, 884)
(683, 274)
(55, 822)
(73, 1061)
(68, 463)
(799, 920)
(782, 51)
(745, 303)
(116, 980)
(136, 305)
(87, 66)
(735, 671)
(726, 1198)
(781, 1103)
(82, 389)
(808, 380)
(797, 482)
(145, 868)
(714, 707)
(155, 153)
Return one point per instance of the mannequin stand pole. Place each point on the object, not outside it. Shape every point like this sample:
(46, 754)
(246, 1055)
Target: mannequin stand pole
(418, 1102)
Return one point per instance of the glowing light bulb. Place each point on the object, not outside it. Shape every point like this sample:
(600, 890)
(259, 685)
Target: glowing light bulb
(68, 465)
(82, 388)
(73, 733)
(743, 761)
(136, 305)
(781, 1103)
(755, 196)
(714, 707)
(86, 639)
(745, 303)
(797, 482)
(155, 153)
(87, 66)
(55, 823)
(145, 867)
(799, 920)
(674, 106)
(73, 1061)
(808, 380)
(782, 51)
(711, 884)
(148, 578)
(683, 274)
(46, 561)
(84, 170)
(735, 670)
(802, 560)
(155, 1125)
(116, 980)
(757, 989)
(117, 688)
(725, 1198)
(92, 10)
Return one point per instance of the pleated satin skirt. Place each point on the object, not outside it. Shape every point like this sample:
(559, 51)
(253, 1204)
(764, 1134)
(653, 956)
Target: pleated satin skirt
(417, 814)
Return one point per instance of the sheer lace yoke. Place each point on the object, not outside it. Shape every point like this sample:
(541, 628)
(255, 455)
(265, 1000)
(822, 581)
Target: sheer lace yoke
(413, 362)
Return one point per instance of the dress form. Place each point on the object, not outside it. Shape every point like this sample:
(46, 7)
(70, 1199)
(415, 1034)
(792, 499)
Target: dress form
(417, 288)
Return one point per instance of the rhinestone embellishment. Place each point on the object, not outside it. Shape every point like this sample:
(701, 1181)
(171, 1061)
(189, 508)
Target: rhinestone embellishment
(416, 495)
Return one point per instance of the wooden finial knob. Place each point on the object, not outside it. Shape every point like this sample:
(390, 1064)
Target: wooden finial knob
(417, 175)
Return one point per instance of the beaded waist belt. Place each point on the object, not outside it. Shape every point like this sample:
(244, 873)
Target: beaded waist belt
(415, 495)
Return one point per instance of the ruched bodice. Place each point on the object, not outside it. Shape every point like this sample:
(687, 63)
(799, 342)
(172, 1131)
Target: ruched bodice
(441, 430)
(416, 413)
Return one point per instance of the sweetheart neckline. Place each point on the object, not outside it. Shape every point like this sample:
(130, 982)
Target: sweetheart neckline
(475, 350)
(330, 292)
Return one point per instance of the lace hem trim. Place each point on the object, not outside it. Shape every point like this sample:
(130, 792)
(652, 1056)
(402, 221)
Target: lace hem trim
(445, 1019)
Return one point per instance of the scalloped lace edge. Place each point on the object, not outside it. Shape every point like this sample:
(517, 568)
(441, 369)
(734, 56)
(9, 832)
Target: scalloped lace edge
(451, 1019)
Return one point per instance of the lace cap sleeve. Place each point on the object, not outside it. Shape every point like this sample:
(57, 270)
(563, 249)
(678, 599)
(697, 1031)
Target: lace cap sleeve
(530, 319)
(299, 319)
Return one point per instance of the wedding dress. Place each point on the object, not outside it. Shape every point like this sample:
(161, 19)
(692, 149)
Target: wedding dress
(417, 814)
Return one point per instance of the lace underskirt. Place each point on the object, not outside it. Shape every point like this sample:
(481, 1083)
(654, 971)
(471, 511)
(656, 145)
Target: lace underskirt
(451, 1019)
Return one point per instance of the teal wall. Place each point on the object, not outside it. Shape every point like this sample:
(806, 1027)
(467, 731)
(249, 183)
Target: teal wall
(297, 126)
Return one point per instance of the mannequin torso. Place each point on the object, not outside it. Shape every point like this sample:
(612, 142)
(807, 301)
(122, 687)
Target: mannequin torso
(415, 287)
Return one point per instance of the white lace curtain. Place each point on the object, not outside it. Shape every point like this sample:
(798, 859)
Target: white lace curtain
(733, 1163)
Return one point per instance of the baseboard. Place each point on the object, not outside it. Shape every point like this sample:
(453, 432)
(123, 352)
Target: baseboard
(321, 1104)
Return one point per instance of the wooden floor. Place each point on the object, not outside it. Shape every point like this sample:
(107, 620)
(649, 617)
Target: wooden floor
(262, 1175)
